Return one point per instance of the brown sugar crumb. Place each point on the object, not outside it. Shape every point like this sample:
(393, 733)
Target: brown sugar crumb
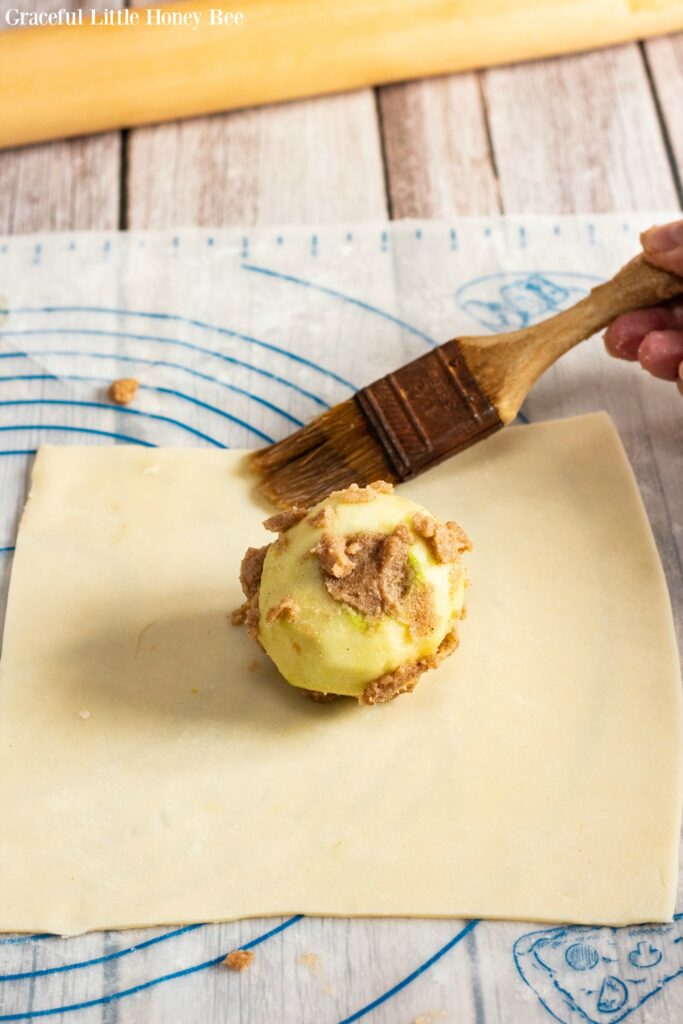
(424, 525)
(372, 580)
(381, 487)
(355, 494)
(446, 540)
(312, 961)
(251, 617)
(321, 698)
(404, 679)
(323, 518)
(239, 616)
(252, 666)
(373, 577)
(331, 550)
(287, 608)
(251, 570)
(238, 959)
(418, 610)
(283, 521)
(450, 540)
(123, 391)
(393, 568)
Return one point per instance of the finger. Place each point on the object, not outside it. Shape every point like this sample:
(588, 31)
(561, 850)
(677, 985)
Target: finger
(675, 307)
(625, 334)
(663, 246)
(661, 354)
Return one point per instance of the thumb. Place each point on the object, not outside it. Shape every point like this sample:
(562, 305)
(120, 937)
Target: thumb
(663, 246)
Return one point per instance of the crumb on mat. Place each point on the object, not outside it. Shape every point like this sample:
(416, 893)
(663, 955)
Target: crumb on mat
(123, 391)
(312, 961)
(238, 959)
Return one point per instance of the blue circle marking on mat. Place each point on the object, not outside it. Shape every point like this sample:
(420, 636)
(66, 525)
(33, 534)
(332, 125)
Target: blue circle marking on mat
(75, 430)
(80, 964)
(119, 410)
(335, 294)
(47, 331)
(582, 957)
(138, 360)
(190, 322)
(18, 940)
(410, 978)
(102, 1000)
(145, 387)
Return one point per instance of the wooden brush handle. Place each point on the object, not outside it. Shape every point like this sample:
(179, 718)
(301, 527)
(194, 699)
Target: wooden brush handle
(507, 365)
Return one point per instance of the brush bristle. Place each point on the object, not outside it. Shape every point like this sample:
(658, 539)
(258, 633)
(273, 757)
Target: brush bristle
(334, 450)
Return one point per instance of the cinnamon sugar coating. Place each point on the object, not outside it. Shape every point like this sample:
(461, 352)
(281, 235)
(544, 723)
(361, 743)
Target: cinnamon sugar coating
(324, 518)
(354, 494)
(251, 571)
(404, 679)
(287, 608)
(446, 540)
(283, 521)
(334, 559)
(376, 578)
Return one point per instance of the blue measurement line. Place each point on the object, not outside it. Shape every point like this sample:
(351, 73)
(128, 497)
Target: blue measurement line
(124, 993)
(79, 965)
(120, 410)
(125, 336)
(17, 940)
(191, 322)
(117, 357)
(73, 430)
(390, 993)
(368, 307)
(146, 387)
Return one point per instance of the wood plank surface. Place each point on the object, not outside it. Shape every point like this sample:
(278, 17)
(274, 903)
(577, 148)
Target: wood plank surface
(665, 60)
(60, 186)
(577, 134)
(315, 160)
(437, 149)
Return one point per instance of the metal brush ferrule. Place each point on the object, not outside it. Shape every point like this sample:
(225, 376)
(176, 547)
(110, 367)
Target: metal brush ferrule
(428, 410)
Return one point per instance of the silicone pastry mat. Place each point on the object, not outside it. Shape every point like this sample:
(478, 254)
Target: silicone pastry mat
(237, 337)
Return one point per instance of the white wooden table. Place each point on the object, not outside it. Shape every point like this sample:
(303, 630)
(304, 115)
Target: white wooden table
(590, 133)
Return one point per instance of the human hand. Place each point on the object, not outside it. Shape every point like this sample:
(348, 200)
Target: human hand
(654, 336)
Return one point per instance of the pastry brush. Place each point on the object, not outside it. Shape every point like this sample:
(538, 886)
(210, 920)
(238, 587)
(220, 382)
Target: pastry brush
(445, 401)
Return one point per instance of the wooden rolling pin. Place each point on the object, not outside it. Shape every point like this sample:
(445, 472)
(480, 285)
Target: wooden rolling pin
(181, 60)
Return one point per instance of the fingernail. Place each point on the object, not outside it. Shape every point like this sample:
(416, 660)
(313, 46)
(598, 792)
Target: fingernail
(664, 238)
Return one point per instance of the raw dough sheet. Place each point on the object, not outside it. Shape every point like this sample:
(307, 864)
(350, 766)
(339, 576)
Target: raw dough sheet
(150, 772)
